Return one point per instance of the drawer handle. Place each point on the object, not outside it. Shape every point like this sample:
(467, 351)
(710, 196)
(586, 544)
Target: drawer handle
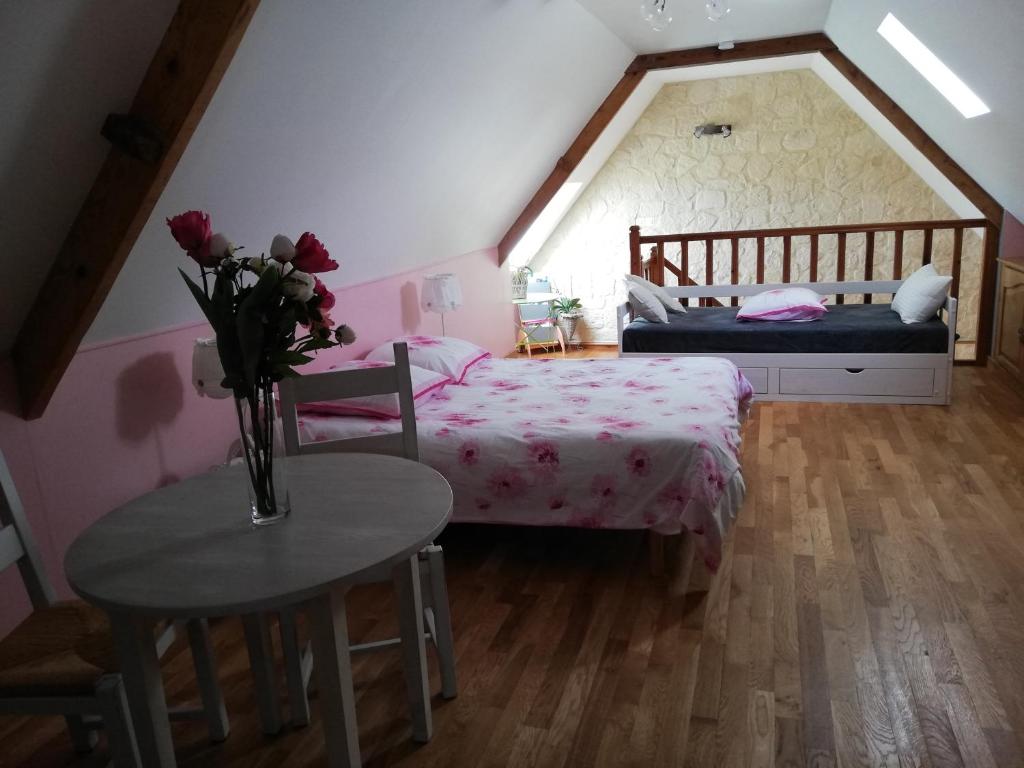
(855, 370)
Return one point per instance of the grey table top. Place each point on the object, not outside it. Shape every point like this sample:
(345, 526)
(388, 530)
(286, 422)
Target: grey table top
(190, 549)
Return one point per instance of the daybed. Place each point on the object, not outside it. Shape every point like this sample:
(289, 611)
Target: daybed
(856, 353)
(628, 444)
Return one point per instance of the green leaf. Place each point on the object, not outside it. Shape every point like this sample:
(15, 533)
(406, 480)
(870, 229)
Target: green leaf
(202, 300)
(249, 323)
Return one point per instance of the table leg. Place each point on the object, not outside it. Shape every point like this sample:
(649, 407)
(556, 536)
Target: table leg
(414, 653)
(261, 662)
(333, 669)
(140, 671)
(209, 685)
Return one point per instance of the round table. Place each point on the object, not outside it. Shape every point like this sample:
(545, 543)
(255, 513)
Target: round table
(188, 550)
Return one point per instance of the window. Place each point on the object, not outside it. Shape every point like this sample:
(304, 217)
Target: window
(929, 65)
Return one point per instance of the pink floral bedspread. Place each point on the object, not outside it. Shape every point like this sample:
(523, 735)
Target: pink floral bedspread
(613, 443)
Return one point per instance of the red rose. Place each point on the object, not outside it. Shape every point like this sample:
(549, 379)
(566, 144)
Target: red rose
(192, 231)
(327, 300)
(311, 256)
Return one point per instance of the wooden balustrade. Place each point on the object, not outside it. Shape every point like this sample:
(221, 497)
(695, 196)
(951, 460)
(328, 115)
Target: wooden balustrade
(656, 266)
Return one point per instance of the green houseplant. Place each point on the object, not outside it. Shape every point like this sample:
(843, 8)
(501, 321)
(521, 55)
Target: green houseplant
(567, 313)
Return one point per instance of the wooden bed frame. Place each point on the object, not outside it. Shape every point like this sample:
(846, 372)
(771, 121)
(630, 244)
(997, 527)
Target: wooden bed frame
(823, 377)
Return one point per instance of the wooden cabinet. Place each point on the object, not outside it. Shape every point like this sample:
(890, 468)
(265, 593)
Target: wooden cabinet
(1009, 345)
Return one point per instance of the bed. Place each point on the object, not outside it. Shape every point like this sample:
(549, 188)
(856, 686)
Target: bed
(628, 444)
(855, 353)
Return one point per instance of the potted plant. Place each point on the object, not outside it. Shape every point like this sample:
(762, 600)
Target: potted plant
(520, 281)
(567, 313)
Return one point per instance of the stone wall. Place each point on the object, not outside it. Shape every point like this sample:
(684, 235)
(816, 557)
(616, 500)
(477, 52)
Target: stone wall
(798, 156)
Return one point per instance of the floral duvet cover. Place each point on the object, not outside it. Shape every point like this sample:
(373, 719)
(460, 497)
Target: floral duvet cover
(606, 443)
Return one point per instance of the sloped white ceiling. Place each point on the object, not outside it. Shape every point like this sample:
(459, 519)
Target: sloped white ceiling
(690, 27)
(63, 67)
(401, 133)
(981, 42)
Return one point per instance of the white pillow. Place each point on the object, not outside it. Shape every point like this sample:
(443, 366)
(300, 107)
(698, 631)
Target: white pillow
(443, 354)
(671, 304)
(646, 305)
(798, 305)
(921, 295)
(425, 384)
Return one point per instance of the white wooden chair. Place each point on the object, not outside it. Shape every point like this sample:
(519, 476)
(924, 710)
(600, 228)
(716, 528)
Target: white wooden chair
(61, 661)
(339, 385)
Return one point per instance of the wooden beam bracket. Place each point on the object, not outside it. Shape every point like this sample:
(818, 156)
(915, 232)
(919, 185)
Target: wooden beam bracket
(181, 79)
(135, 136)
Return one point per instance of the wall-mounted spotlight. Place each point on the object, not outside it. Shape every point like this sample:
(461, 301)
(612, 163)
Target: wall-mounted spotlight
(712, 129)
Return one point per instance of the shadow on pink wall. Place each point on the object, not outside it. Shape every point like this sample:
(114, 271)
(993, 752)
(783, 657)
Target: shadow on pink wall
(125, 419)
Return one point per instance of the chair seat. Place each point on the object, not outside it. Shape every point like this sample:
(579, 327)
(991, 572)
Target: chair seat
(62, 649)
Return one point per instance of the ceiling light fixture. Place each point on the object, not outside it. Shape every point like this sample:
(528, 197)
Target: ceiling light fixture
(717, 9)
(655, 12)
(931, 67)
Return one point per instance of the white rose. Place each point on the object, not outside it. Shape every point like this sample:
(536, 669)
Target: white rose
(282, 249)
(259, 265)
(298, 285)
(221, 247)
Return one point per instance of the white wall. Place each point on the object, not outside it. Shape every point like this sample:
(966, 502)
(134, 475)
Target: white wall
(401, 133)
(64, 65)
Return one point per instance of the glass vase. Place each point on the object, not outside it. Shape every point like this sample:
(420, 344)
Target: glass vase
(263, 452)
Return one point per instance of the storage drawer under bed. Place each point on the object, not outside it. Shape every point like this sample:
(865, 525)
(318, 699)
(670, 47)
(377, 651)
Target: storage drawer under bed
(899, 382)
(758, 378)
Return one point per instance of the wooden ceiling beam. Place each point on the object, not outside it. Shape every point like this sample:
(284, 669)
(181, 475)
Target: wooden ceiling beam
(194, 54)
(567, 163)
(755, 49)
(641, 65)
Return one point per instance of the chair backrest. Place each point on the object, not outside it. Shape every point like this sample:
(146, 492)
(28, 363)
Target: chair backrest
(341, 385)
(17, 544)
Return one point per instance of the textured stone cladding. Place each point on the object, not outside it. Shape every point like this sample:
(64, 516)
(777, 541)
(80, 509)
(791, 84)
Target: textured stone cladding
(798, 156)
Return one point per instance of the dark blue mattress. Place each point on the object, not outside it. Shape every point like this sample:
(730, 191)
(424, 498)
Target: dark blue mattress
(872, 328)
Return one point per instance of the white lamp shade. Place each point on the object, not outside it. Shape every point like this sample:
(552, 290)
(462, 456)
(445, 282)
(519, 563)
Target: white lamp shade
(441, 293)
(207, 372)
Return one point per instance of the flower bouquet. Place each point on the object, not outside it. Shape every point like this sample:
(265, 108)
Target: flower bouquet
(255, 306)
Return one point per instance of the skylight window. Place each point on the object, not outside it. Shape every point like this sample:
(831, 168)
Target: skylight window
(931, 66)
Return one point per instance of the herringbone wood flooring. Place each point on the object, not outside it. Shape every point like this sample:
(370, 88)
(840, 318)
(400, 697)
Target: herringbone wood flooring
(869, 612)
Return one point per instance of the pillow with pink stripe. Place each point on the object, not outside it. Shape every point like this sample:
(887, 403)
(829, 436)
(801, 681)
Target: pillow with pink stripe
(425, 384)
(798, 305)
(442, 354)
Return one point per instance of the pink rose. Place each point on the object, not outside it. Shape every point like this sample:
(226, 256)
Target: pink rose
(192, 232)
(311, 256)
(327, 300)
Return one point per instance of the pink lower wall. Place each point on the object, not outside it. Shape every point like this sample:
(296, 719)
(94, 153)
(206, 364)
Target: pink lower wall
(125, 419)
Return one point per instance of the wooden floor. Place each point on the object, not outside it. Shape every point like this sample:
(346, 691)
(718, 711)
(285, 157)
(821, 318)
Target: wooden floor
(869, 611)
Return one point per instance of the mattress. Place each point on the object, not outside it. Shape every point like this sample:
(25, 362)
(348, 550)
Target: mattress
(632, 444)
(856, 328)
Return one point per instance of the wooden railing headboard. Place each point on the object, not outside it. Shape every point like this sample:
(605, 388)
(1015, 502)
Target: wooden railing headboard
(656, 266)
